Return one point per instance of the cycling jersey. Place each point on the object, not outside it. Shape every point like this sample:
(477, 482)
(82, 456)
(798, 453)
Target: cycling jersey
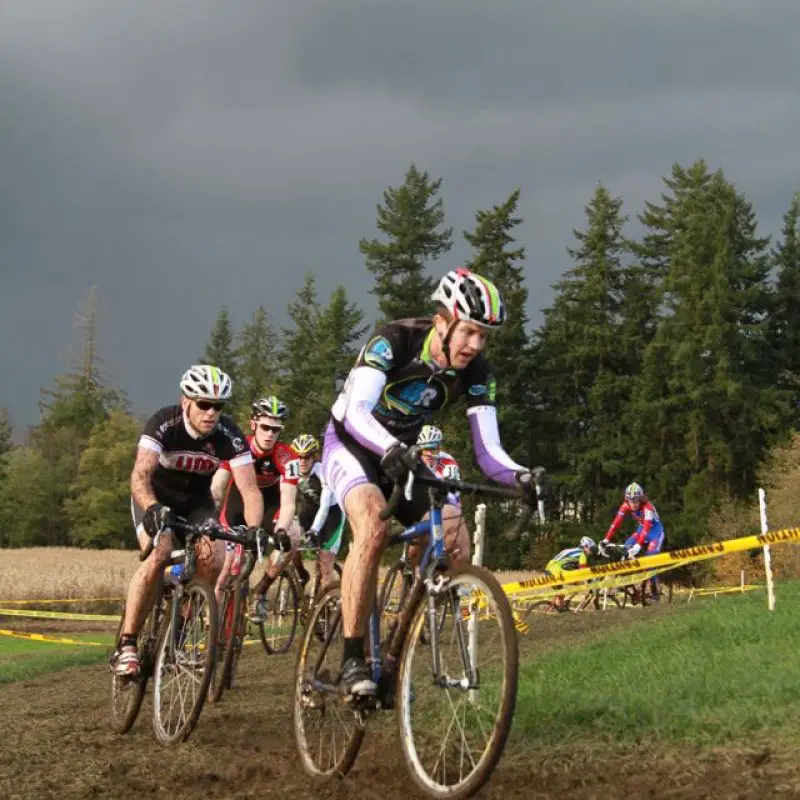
(446, 467)
(318, 511)
(571, 558)
(187, 462)
(395, 388)
(274, 468)
(647, 519)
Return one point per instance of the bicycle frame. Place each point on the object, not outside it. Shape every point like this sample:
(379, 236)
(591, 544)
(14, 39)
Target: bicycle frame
(434, 528)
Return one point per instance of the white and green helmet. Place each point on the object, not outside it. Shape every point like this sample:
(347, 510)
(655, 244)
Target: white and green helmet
(269, 406)
(471, 297)
(206, 382)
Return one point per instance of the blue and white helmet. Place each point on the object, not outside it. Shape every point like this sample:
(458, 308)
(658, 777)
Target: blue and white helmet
(429, 437)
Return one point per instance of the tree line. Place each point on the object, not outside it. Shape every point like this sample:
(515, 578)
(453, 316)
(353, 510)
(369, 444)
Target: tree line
(670, 358)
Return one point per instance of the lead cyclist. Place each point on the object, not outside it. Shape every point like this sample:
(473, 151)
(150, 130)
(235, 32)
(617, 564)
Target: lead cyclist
(408, 370)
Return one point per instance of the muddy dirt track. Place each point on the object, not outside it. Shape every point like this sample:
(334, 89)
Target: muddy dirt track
(55, 742)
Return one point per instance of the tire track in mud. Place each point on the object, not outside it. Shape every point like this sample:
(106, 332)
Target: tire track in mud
(55, 742)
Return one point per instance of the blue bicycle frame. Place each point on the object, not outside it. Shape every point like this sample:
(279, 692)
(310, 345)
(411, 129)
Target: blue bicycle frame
(434, 528)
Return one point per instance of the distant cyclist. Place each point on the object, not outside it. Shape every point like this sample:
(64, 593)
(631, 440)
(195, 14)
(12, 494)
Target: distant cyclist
(318, 512)
(572, 558)
(442, 464)
(649, 533)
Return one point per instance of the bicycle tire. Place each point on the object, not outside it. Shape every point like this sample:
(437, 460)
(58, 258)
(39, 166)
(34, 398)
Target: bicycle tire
(387, 587)
(209, 623)
(508, 692)
(122, 719)
(323, 616)
(288, 606)
(218, 677)
(236, 640)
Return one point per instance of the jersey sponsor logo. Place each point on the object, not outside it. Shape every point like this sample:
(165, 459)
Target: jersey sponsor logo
(492, 387)
(415, 396)
(198, 463)
(477, 389)
(379, 353)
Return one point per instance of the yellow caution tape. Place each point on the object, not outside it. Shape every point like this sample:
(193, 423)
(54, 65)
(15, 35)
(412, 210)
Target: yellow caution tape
(667, 561)
(28, 612)
(62, 600)
(39, 637)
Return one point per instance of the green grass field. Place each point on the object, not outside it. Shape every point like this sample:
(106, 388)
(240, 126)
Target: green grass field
(22, 659)
(709, 673)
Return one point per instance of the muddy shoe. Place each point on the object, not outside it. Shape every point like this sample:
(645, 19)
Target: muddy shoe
(126, 664)
(259, 613)
(356, 679)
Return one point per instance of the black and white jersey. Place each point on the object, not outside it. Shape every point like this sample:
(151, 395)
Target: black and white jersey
(186, 464)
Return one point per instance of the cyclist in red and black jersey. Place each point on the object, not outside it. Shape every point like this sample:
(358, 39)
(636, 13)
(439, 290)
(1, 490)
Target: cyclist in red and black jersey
(179, 451)
(277, 472)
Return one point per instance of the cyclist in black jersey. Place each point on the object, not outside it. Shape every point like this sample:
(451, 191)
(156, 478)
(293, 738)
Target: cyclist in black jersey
(179, 451)
(407, 371)
(318, 513)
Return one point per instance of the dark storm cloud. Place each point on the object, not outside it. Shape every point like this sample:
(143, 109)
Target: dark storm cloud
(186, 155)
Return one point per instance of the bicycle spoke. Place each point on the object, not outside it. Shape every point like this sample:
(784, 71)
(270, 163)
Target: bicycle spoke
(453, 727)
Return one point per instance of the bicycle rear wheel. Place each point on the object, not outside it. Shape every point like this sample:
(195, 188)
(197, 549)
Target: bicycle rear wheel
(453, 729)
(328, 732)
(283, 610)
(127, 691)
(395, 591)
(185, 663)
(236, 638)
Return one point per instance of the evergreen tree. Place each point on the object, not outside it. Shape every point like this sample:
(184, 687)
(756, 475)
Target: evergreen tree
(507, 348)
(220, 350)
(80, 400)
(784, 330)
(5, 433)
(319, 346)
(410, 219)
(582, 387)
(99, 511)
(256, 358)
(705, 409)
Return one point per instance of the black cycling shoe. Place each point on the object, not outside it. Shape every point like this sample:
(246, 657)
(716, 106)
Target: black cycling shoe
(356, 679)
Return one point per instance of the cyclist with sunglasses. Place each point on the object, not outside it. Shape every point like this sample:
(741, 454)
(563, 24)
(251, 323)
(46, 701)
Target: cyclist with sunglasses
(278, 473)
(179, 451)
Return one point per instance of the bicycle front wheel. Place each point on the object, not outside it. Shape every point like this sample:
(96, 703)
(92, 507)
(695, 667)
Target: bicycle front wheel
(328, 731)
(185, 662)
(457, 695)
(283, 611)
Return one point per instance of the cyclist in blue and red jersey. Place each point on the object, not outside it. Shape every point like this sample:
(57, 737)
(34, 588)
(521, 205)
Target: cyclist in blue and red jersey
(649, 533)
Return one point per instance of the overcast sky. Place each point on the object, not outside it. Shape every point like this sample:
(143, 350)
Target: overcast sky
(189, 155)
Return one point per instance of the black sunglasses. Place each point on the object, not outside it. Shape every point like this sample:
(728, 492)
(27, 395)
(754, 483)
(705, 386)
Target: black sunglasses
(262, 426)
(207, 405)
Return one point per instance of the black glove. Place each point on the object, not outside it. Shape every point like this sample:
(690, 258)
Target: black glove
(314, 539)
(525, 482)
(155, 519)
(282, 540)
(397, 462)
